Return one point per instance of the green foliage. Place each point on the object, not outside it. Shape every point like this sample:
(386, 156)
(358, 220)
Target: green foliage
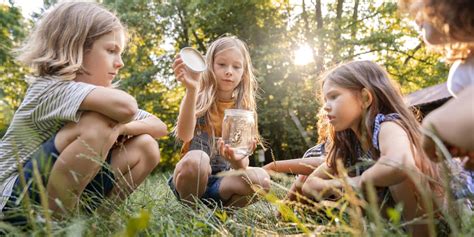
(12, 85)
(137, 224)
(145, 64)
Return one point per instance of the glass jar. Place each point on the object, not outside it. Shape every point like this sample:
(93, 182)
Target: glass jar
(238, 131)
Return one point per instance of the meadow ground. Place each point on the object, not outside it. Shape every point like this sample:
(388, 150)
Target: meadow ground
(153, 210)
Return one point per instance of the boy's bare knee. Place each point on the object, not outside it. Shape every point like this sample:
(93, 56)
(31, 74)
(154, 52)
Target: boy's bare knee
(93, 129)
(150, 148)
(96, 127)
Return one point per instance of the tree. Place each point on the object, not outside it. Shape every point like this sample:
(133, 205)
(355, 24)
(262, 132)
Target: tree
(336, 31)
(12, 85)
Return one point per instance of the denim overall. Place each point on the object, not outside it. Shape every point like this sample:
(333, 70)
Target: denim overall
(202, 141)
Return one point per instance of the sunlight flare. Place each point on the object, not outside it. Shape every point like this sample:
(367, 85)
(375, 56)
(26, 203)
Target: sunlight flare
(303, 55)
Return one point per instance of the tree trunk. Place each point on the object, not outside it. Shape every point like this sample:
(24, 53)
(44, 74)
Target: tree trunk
(355, 14)
(319, 58)
(308, 35)
(338, 27)
(180, 9)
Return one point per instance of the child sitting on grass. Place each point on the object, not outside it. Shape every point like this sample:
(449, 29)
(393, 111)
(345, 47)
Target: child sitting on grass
(71, 116)
(227, 83)
(448, 26)
(369, 121)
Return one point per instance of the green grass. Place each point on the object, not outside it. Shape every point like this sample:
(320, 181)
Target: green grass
(152, 210)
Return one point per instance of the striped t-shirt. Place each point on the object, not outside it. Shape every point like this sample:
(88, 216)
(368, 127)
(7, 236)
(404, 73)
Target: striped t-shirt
(48, 105)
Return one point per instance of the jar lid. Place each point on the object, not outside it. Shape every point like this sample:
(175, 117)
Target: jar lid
(193, 59)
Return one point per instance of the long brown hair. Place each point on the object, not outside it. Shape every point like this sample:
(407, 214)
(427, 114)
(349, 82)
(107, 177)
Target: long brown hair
(387, 98)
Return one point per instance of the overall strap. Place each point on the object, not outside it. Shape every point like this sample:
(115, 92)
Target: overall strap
(200, 123)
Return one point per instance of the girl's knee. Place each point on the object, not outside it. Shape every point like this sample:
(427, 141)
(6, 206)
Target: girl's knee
(196, 159)
(260, 177)
(307, 190)
(93, 129)
(194, 164)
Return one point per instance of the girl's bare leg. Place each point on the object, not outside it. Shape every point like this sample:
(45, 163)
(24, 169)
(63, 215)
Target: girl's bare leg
(238, 189)
(191, 174)
(405, 193)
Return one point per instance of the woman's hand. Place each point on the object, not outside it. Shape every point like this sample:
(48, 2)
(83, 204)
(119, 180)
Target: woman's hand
(189, 78)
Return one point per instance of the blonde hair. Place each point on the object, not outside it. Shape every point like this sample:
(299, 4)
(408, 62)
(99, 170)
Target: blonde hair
(453, 18)
(245, 92)
(57, 44)
(387, 99)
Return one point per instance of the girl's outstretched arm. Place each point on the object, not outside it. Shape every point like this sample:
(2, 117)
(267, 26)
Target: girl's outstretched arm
(319, 184)
(396, 158)
(187, 116)
(323, 183)
(302, 166)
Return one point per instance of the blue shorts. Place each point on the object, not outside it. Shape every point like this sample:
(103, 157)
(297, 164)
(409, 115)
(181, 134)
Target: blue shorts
(45, 158)
(210, 197)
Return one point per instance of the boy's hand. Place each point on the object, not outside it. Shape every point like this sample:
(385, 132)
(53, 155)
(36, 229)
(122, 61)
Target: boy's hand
(189, 78)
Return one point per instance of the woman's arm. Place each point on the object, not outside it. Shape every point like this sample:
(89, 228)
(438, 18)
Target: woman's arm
(304, 166)
(396, 158)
